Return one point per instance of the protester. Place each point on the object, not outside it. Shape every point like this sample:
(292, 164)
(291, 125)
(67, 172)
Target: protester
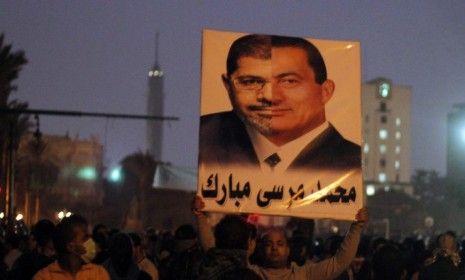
(120, 265)
(277, 251)
(139, 257)
(70, 236)
(234, 243)
(43, 253)
(100, 235)
(185, 261)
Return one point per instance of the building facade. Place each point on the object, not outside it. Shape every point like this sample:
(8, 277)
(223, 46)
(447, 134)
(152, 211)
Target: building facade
(60, 173)
(456, 146)
(386, 136)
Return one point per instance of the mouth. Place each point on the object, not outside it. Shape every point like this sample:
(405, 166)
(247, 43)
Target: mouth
(270, 112)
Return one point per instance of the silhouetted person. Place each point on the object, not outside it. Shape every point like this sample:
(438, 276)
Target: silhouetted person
(39, 257)
(139, 257)
(70, 236)
(120, 265)
(234, 243)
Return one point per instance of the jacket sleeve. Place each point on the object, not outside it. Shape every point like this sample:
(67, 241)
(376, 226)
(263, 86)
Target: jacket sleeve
(334, 266)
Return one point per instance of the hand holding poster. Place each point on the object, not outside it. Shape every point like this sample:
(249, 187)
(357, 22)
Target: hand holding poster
(280, 126)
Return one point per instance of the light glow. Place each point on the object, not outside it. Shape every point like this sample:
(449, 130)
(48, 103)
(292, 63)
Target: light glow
(370, 191)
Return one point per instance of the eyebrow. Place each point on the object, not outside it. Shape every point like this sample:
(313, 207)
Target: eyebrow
(250, 77)
(287, 74)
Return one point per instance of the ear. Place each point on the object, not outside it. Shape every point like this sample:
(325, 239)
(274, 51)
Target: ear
(327, 90)
(226, 82)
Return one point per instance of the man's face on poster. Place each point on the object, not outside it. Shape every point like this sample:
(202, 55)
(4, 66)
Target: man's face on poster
(279, 96)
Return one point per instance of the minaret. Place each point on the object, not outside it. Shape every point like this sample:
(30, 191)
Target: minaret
(155, 108)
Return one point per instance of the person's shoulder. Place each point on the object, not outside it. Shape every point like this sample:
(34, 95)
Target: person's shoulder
(46, 272)
(345, 144)
(96, 270)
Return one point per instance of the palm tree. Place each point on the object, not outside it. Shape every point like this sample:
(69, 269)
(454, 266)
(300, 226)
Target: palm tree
(36, 176)
(139, 169)
(11, 126)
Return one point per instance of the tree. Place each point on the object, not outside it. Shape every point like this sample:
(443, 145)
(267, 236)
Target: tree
(138, 170)
(37, 176)
(11, 126)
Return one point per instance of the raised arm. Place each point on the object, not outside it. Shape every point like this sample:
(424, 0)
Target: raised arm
(206, 238)
(334, 266)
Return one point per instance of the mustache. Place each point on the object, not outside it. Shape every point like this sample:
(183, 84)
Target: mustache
(260, 106)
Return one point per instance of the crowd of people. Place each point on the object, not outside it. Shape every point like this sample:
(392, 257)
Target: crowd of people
(232, 249)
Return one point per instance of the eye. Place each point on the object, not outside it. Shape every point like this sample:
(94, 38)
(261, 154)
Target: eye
(251, 81)
(288, 82)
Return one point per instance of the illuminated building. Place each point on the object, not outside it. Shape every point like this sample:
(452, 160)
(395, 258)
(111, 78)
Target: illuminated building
(456, 146)
(77, 165)
(386, 136)
(155, 108)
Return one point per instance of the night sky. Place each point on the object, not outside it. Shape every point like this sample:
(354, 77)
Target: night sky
(95, 55)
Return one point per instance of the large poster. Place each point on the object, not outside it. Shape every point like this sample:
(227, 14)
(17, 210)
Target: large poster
(280, 127)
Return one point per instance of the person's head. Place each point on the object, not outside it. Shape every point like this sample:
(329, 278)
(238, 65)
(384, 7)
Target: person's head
(388, 263)
(233, 232)
(137, 246)
(278, 85)
(276, 248)
(70, 236)
(100, 234)
(185, 237)
(448, 241)
(120, 249)
(43, 232)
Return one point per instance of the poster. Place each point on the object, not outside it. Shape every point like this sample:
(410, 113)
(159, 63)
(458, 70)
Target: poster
(280, 126)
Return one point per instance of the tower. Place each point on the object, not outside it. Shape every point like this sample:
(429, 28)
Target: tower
(386, 135)
(155, 108)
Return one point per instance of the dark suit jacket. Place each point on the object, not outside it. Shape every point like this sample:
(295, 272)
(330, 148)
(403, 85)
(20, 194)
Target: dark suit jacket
(224, 140)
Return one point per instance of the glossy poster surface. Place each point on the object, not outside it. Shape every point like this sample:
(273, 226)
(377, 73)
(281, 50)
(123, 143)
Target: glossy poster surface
(280, 127)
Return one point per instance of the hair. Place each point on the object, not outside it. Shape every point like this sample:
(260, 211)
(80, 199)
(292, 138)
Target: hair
(120, 251)
(259, 46)
(232, 232)
(43, 232)
(136, 239)
(388, 263)
(64, 232)
(185, 232)
(100, 236)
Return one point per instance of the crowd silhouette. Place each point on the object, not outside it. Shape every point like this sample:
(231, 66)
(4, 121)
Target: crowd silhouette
(234, 248)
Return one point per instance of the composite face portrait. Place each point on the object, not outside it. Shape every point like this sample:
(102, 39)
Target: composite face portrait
(279, 135)
(279, 96)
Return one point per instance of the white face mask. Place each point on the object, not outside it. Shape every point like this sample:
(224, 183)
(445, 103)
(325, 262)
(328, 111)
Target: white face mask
(90, 250)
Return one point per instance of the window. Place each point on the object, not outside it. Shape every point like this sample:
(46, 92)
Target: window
(397, 164)
(382, 162)
(383, 134)
(397, 149)
(382, 149)
(383, 119)
(397, 135)
(382, 177)
(382, 107)
(397, 121)
(384, 90)
(366, 148)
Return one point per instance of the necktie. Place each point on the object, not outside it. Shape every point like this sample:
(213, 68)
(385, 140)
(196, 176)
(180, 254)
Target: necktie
(273, 160)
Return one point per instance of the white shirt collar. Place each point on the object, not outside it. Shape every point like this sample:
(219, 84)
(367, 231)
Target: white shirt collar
(287, 152)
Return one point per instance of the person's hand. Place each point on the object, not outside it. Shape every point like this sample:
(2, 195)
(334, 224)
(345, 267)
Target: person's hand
(362, 216)
(197, 205)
